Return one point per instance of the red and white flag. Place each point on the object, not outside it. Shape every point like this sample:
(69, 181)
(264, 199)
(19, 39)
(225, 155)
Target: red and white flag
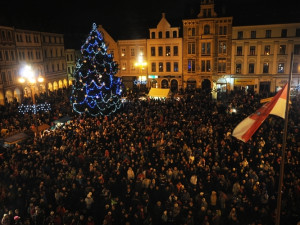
(245, 129)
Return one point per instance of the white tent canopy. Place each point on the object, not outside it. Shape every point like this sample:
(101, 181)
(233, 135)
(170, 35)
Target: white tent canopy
(159, 93)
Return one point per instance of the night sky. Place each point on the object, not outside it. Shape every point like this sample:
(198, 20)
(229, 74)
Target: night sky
(131, 19)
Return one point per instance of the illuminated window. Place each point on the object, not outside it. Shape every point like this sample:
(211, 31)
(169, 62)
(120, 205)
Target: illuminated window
(267, 49)
(160, 67)
(280, 67)
(168, 51)
(123, 52)
(222, 47)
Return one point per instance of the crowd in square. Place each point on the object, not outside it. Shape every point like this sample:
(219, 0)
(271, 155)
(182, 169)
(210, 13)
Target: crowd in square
(152, 163)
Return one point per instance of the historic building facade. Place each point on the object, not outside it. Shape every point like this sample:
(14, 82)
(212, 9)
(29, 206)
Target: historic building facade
(44, 52)
(206, 48)
(152, 62)
(164, 54)
(262, 57)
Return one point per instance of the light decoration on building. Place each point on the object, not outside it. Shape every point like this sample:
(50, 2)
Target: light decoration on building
(96, 89)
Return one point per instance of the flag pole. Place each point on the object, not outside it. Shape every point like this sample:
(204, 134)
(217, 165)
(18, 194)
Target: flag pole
(280, 183)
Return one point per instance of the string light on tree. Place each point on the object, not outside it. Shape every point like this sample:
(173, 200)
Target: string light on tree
(96, 89)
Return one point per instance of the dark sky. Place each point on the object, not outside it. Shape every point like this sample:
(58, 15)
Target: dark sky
(132, 19)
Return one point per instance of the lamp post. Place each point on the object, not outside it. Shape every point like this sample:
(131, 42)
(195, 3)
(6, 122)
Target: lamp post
(141, 64)
(28, 76)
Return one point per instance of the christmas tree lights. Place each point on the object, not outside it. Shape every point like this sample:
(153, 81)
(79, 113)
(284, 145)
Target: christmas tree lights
(96, 89)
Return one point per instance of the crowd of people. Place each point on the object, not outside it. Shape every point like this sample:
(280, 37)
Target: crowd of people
(155, 162)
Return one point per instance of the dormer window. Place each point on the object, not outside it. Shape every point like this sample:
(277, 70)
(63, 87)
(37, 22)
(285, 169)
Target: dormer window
(159, 34)
(153, 35)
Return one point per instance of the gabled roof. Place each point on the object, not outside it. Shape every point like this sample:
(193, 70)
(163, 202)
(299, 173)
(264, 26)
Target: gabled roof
(163, 23)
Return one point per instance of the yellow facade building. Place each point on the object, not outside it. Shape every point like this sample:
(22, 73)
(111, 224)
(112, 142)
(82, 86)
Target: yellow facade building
(44, 52)
(261, 57)
(206, 48)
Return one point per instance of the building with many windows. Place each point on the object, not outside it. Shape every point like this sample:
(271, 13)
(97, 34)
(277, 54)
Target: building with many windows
(164, 54)
(206, 48)
(262, 57)
(211, 54)
(153, 62)
(44, 52)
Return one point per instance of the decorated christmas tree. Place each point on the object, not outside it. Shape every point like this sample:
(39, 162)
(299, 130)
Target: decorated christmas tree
(96, 89)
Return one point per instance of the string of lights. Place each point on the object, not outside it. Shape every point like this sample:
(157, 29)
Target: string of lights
(34, 108)
(96, 89)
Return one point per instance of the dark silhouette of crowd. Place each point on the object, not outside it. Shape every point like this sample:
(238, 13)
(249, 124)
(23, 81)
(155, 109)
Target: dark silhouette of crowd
(152, 163)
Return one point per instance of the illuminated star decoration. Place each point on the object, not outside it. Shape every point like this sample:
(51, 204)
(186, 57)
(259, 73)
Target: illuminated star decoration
(96, 89)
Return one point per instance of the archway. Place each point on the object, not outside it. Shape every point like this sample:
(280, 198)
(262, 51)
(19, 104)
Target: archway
(206, 85)
(65, 83)
(18, 94)
(9, 96)
(60, 84)
(1, 98)
(55, 86)
(164, 83)
(154, 83)
(50, 87)
(174, 85)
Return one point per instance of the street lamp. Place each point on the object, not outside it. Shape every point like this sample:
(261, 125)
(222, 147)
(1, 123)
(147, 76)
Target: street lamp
(28, 76)
(141, 64)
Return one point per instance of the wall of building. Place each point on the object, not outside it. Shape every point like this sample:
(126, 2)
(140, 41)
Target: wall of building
(44, 52)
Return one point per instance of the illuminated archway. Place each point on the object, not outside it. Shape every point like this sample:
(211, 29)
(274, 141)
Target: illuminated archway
(18, 94)
(50, 87)
(55, 86)
(65, 83)
(1, 98)
(9, 95)
(60, 84)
